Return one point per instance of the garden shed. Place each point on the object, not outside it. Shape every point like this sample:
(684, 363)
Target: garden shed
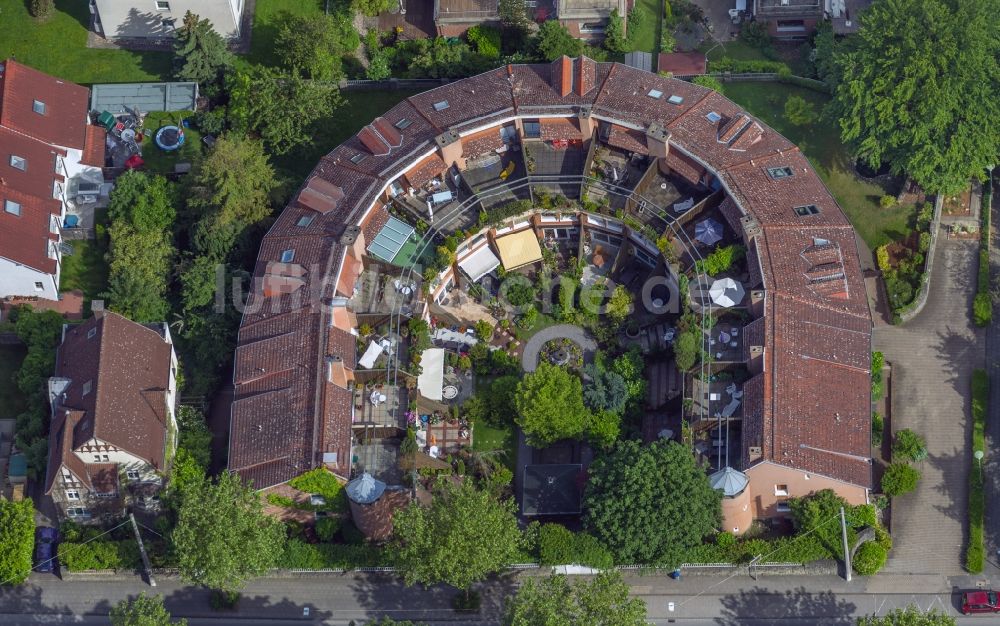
(551, 489)
(145, 97)
(519, 249)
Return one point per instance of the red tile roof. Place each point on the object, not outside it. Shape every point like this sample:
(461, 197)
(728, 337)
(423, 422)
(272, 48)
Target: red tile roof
(483, 142)
(26, 238)
(627, 139)
(93, 149)
(682, 63)
(128, 368)
(423, 172)
(555, 128)
(66, 106)
(816, 329)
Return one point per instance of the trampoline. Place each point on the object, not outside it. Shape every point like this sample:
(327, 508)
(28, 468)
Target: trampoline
(169, 138)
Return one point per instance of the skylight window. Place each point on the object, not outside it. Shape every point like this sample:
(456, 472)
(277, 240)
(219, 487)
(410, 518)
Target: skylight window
(808, 209)
(91, 333)
(818, 241)
(713, 116)
(675, 99)
(777, 173)
(305, 220)
(38, 107)
(403, 124)
(357, 158)
(441, 106)
(288, 256)
(654, 93)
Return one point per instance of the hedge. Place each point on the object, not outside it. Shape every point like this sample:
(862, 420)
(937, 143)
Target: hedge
(982, 305)
(736, 66)
(301, 555)
(97, 554)
(869, 559)
(975, 551)
(557, 545)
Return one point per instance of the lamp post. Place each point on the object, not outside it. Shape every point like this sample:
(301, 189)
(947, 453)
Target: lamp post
(979, 454)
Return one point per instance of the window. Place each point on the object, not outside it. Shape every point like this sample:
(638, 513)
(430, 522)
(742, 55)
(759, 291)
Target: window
(18, 162)
(777, 173)
(357, 158)
(288, 256)
(781, 490)
(87, 386)
(91, 333)
(162, 5)
(675, 99)
(305, 220)
(38, 107)
(791, 26)
(105, 458)
(592, 27)
(441, 106)
(14, 208)
(132, 474)
(654, 93)
(532, 129)
(783, 507)
(403, 124)
(97, 458)
(809, 209)
(39, 287)
(77, 511)
(713, 116)
(72, 494)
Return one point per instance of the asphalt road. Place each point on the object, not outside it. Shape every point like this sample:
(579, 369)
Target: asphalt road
(336, 600)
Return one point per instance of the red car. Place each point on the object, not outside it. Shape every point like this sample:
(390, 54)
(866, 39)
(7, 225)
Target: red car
(980, 602)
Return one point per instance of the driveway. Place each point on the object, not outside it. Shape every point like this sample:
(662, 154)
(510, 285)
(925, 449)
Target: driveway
(932, 360)
(991, 465)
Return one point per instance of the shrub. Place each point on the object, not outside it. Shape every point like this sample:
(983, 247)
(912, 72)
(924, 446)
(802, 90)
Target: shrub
(559, 546)
(745, 67)
(486, 40)
(925, 243)
(520, 292)
(211, 122)
(887, 201)
(982, 309)
(899, 478)
(882, 258)
(755, 35)
(327, 527)
(798, 111)
(484, 330)
(42, 9)
(301, 555)
(909, 446)
(975, 551)
(878, 428)
(98, 554)
(321, 482)
(721, 259)
(869, 559)
(707, 81)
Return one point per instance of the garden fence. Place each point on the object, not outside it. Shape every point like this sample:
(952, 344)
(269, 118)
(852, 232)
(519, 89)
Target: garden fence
(393, 83)
(911, 310)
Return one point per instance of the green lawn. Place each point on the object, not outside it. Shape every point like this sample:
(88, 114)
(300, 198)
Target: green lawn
(162, 162)
(486, 438)
(11, 401)
(87, 269)
(734, 49)
(645, 34)
(820, 142)
(58, 46)
(358, 110)
(266, 21)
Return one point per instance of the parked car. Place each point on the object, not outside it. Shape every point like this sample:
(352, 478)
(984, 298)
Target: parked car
(45, 548)
(980, 602)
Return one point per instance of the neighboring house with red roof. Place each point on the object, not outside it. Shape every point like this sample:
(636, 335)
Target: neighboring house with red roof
(113, 429)
(47, 149)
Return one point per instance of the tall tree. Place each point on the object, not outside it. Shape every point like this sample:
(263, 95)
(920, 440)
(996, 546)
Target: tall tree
(917, 89)
(17, 539)
(462, 537)
(553, 40)
(513, 14)
(200, 53)
(549, 403)
(371, 8)
(281, 110)
(553, 601)
(145, 201)
(223, 537)
(140, 263)
(649, 504)
(314, 44)
(614, 33)
(143, 611)
(229, 193)
(909, 616)
(619, 305)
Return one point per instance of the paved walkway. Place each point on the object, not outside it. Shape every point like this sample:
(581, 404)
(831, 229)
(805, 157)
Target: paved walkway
(932, 359)
(991, 464)
(529, 358)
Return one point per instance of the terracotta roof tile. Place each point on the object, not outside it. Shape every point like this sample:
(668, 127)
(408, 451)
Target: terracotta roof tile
(564, 128)
(93, 150)
(627, 139)
(483, 142)
(423, 172)
(66, 106)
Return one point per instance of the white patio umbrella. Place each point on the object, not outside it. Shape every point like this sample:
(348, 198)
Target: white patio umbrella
(708, 232)
(726, 292)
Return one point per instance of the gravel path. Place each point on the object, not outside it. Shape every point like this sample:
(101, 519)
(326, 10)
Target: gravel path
(529, 358)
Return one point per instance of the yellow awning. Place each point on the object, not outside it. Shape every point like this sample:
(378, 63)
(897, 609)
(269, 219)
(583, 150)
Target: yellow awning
(519, 249)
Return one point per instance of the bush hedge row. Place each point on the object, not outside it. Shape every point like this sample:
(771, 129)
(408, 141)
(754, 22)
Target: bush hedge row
(975, 551)
(301, 555)
(982, 305)
(97, 554)
(557, 545)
